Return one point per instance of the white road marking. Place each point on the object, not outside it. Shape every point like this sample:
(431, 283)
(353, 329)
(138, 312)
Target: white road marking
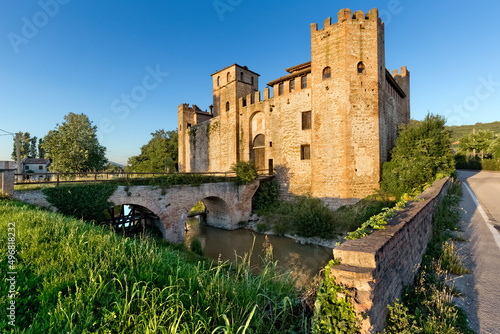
(496, 235)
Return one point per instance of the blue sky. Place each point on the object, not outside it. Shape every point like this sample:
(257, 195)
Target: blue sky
(61, 56)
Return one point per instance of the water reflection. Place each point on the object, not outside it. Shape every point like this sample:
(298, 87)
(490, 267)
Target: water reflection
(305, 261)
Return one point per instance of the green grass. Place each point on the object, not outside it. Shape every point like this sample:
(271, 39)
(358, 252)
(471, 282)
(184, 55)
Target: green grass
(427, 307)
(73, 277)
(309, 217)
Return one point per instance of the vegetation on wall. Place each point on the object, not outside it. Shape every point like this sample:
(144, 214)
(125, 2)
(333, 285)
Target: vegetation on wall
(246, 172)
(333, 311)
(78, 278)
(160, 154)
(85, 201)
(422, 152)
(266, 196)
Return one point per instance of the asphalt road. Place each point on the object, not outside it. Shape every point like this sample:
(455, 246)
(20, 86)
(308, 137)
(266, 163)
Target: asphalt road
(481, 225)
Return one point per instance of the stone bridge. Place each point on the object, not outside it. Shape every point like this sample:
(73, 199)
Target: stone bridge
(226, 203)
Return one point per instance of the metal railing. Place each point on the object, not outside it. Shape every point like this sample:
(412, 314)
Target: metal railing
(58, 178)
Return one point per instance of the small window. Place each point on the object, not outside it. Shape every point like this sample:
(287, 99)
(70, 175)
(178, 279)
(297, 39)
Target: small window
(227, 106)
(361, 68)
(303, 82)
(252, 80)
(218, 81)
(241, 76)
(292, 85)
(270, 144)
(280, 89)
(228, 76)
(244, 102)
(305, 152)
(27, 167)
(327, 73)
(189, 126)
(306, 120)
(40, 167)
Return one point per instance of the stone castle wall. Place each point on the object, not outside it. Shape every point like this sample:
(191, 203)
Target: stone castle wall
(355, 115)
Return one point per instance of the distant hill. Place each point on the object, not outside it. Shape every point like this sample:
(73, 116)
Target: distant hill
(458, 131)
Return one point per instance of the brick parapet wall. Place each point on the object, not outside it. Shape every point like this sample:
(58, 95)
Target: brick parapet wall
(375, 268)
(7, 183)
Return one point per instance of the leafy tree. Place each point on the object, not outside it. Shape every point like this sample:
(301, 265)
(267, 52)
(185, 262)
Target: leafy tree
(246, 172)
(73, 147)
(495, 148)
(422, 151)
(41, 151)
(28, 146)
(479, 141)
(158, 155)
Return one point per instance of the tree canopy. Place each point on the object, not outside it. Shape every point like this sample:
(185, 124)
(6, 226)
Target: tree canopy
(28, 147)
(158, 155)
(479, 141)
(73, 147)
(422, 152)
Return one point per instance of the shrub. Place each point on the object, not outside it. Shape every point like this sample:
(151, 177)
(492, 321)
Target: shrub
(87, 201)
(246, 172)
(422, 152)
(266, 196)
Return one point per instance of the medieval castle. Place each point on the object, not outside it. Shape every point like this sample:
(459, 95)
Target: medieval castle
(325, 128)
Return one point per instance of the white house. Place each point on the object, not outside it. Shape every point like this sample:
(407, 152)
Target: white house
(32, 165)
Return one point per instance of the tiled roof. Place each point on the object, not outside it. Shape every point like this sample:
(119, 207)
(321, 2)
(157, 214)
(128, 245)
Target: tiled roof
(36, 161)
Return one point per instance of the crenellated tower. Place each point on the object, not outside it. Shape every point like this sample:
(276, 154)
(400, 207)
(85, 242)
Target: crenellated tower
(348, 63)
(229, 85)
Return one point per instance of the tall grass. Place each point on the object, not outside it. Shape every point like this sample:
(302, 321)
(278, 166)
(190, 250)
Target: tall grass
(427, 307)
(77, 278)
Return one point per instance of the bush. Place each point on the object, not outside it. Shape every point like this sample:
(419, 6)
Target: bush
(422, 152)
(463, 162)
(266, 196)
(246, 172)
(87, 201)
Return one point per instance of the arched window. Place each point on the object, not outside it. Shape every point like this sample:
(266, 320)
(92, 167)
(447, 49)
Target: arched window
(327, 73)
(241, 76)
(361, 68)
(227, 106)
(228, 76)
(218, 81)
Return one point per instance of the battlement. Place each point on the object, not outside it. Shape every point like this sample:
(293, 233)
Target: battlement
(194, 108)
(346, 15)
(404, 72)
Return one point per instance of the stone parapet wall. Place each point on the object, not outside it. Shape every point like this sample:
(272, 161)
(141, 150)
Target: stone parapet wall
(375, 268)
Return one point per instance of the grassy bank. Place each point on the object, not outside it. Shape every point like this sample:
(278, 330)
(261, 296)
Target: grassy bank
(73, 277)
(309, 217)
(427, 307)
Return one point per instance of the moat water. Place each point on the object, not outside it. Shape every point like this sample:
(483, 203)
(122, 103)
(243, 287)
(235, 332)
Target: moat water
(303, 261)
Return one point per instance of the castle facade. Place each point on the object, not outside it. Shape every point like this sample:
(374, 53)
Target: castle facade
(326, 127)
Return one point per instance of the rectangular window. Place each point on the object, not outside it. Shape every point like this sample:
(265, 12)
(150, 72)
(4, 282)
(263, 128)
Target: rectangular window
(303, 82)
(306, 120)
(280, 89)
(305, 152)
(189, 125)
(27, 167)
(40, 167)
(292, 85)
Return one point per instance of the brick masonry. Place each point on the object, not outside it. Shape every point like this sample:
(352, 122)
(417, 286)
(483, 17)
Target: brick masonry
(375, 268)
(355, 114)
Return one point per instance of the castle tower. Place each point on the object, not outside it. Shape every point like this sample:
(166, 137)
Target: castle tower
(348, 63)
(229, 85)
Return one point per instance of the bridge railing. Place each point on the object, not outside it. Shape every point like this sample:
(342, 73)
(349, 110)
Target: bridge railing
(58, 178)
